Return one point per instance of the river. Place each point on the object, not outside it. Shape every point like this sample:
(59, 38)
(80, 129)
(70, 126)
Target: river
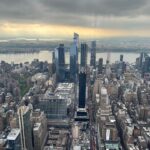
(47, 56)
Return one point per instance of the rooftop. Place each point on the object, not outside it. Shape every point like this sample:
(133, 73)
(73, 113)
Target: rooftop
(13, 134)
(39, 76)
(62, 86)
(141, 139)
(77, 147)
(37, 126)
(103, 91)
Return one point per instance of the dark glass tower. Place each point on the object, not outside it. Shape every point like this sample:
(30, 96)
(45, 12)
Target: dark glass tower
(60, 62)
(146, 66)
(76, 43)
(142, 59)
(82, 89)
(121, 67)
(100, 66)
(93, 54)
(83, 55)
(121, 58)
(53, 62)
(61, 54)
(73, 64)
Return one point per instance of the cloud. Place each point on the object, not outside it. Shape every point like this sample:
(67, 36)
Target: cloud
(98, 7)
(60, 31)
(125, 14)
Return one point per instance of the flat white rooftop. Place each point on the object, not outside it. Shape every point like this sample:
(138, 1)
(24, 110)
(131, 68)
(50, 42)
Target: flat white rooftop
(81, 109)
(77, 148)
(103, 91)
(13, 134)
(36, 126)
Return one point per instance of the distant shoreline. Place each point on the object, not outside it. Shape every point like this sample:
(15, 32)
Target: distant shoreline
(98, 51)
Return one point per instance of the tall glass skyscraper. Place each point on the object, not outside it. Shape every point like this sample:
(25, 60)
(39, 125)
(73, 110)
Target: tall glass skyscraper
(121, 58)
(53, 62)
(100, 65)
(146, 65)
(76, 42)
(60, 62)
(82, 88)
(93, 54)
(83, 55)
(74, 58)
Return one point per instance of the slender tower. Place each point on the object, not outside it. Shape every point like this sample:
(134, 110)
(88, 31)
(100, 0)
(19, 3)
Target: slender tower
(74, 58)
(82, 88)
(25, 127)
(93, 54)
(83, 61)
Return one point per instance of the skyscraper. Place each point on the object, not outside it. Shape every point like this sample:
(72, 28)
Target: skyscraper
(82, 88)
(25, 127)
(60, 62)
(93, 54)
(54, 107)
(142, 59)
(146, 66)
(74, 58)
(108, 69)
(81, 113)
(53, 62)
(83, 60)
(100, 66)
(121, 67)
(61, 54)
(121, 58)
(76, 42)
(39, 122)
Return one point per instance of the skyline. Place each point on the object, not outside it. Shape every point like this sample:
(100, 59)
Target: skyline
(59, 19)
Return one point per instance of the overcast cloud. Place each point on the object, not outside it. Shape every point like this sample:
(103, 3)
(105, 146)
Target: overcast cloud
(123, 14)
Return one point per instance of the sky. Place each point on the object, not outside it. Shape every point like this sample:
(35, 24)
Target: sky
(61, 18)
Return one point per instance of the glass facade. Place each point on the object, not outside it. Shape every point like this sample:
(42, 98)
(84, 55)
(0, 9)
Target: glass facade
(93, 54)
(54, 108)
(83, 55)
(74, 58)
(82, 89)
(60, 62)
